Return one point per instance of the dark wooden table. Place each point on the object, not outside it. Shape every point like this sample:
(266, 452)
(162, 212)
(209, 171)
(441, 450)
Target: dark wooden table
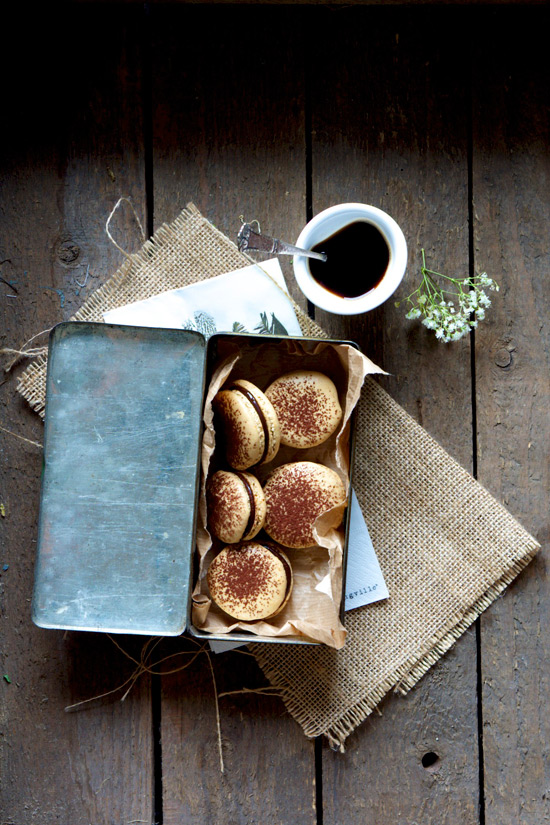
(438, 114)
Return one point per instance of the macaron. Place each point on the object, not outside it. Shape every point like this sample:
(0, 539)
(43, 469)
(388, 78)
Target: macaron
(307, 406)
(296, 494)
(250, 581)
(235, 505)
(249, 424)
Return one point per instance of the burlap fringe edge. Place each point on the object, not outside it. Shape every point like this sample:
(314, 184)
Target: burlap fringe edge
(407, 676)
(96, 302)
(31, 382)
(26, 384)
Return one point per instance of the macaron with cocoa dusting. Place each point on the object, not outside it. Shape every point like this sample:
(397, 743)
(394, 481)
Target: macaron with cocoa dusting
(250, 581)
(235, 504)
(249, 424)
(296, 495)
(307, 406)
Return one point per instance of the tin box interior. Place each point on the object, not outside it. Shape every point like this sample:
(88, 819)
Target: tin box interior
(121, 478)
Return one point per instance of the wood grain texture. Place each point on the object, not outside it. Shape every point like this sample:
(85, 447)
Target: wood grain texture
(400, 145)
(228, 108)
(73, 145)
(228, 134)
(228, 118)
(269, 771)
(389, 128)
(415, 759)
(512, 210)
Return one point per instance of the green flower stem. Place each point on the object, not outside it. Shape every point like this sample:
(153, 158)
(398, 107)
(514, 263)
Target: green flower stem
(449, 319)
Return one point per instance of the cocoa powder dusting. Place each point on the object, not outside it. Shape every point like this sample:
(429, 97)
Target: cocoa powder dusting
(244, 581)
(225, 506)
(295, 498)
(303, 410)
(246, 577)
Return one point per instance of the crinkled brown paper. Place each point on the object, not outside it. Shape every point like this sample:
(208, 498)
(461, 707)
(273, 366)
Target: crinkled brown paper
(314, 606)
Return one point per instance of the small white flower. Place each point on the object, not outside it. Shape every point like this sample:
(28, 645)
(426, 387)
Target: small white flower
(450, 319)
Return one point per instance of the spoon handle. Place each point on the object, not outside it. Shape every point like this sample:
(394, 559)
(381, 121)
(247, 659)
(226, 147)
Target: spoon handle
(248, 239)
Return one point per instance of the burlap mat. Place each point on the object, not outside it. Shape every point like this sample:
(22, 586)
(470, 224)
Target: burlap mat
(446, 547)
(179, 254)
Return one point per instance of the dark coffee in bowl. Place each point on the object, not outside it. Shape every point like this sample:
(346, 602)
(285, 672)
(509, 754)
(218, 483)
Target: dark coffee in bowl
(357, 258)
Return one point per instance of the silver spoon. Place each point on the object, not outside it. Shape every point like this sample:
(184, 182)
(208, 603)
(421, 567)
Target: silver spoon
(247, 239)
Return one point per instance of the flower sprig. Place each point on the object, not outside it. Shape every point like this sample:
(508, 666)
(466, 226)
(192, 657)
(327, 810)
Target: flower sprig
(449, 319)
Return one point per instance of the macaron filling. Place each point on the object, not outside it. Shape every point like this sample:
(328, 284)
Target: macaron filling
(250, 397)
(252, 500)
(286, 565)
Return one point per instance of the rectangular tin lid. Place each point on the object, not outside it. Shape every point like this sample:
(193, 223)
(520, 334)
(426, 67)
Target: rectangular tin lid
(120, 480)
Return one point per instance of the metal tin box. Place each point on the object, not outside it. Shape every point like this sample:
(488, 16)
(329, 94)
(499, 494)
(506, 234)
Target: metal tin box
(121, 477)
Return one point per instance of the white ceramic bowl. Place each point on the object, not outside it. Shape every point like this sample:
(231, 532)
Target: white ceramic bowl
(325, 224)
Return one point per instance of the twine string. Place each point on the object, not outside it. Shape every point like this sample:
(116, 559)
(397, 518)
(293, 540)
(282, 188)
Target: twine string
(217, 704)
(108, 223)
(144, 665)
(25, 351)
(261, 691)
(22, 438)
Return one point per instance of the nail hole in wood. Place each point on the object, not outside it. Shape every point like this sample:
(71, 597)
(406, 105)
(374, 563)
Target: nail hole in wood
(431, 762)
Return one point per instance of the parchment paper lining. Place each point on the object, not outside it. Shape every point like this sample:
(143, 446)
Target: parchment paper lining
(314, 606)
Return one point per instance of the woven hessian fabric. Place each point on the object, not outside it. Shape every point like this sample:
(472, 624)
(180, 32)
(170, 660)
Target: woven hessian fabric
(447, 548)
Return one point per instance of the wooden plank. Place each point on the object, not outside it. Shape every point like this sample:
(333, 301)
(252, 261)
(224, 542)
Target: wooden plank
(72, 144)
(228, 134)
(268, 765)
(228, 124)
(388, 130)
(512, 209)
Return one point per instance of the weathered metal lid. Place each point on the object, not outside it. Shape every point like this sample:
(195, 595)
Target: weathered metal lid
(120, 481)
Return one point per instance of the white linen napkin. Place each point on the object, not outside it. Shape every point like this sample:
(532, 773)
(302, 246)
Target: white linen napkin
(251, 299)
